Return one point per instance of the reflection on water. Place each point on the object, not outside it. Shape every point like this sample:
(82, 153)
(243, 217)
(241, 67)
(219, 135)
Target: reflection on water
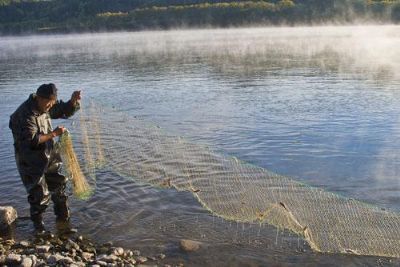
(317, 104)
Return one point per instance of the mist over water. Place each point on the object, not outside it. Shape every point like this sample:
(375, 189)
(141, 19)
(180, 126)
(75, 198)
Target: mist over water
(319, 104)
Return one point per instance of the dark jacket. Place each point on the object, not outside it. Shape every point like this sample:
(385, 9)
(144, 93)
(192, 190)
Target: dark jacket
(26, 124)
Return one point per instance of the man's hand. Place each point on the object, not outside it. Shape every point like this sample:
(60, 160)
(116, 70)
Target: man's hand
(76, 96)
(58, 131)
(43, 138)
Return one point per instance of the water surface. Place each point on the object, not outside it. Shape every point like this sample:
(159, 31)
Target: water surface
(317, 104)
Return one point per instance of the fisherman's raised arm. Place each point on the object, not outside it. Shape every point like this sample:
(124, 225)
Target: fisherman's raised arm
(63, 109)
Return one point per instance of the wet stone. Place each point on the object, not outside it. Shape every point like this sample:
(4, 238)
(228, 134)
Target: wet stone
(9, 242)
(2, 260)
(73, 252)
(26, 262)
(136, 252)
(101, 263)
(103, 250)
(117, 251)
(24, 244)
(54, 259)
(152, 258)
(128, 253)
(13, 259)
(87, 256)
(108, 244)
(108, 258)
(7, 216)
(34, 259)
(71, 244)
(90, 250)
(29, 251)
(189, 245)
(161, 256)
(141, 259)
(42, 249)
(66, 260)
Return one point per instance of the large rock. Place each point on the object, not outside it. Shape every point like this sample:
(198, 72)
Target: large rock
(7, 216)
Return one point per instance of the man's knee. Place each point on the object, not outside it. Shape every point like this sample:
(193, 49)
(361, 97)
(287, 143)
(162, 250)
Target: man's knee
(56, 182)
(38, 198)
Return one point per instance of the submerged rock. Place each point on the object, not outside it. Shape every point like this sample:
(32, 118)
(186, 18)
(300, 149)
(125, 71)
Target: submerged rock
(141, 259)
(189, 245)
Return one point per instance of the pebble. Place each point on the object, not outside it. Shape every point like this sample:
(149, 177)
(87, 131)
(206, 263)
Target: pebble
(108, 244)
(13, 259)
(9, 242)
(2, 260)
(117, 251)
(77, 252)
(141, 259)
(66, 261)
(54, 259)
(71, 244)
(34, 259)
(26, 262)
(108, 258)
(102, 250)
(29, 251)
(42, 249)
(128, 253)
(101, 263)
(24, 244)
(87, 256)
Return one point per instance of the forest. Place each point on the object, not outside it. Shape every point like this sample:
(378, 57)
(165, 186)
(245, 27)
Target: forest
(62, 16)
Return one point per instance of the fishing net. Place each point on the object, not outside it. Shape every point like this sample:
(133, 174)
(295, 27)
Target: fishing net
(81, 187)
(235, 190)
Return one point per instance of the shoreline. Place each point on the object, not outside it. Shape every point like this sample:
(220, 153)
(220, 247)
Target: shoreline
(71, 250)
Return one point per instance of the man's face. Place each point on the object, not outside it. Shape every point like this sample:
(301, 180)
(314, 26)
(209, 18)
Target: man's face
(45, 104)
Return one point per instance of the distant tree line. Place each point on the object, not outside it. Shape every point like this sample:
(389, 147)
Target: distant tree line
(35, 16)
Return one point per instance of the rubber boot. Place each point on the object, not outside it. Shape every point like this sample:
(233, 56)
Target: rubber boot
(38, 224)
(64, 227)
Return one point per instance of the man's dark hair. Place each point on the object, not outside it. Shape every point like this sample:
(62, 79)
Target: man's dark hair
(48, 91)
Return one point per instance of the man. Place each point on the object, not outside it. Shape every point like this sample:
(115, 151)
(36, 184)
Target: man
(37, 161)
